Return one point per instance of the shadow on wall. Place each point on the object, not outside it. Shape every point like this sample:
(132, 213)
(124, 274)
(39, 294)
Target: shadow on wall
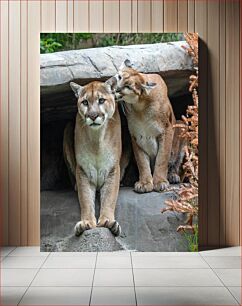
(208, 154)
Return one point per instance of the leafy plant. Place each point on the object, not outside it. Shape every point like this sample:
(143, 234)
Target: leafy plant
(192, 239)
(49, 45)
(186, 202)
(187, 196)
(52, 42)
(72, 41)
(123, 39)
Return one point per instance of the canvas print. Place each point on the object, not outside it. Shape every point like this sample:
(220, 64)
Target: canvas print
(119, 142)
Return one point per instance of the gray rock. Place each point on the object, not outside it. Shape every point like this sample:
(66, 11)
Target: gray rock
(144, 228)
(168, 59)
(95, 240)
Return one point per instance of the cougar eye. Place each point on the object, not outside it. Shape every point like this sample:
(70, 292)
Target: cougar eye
(85, 102)
(128, 87)
(101, 100)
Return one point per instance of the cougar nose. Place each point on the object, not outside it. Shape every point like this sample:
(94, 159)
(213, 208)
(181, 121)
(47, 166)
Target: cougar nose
(93, 116)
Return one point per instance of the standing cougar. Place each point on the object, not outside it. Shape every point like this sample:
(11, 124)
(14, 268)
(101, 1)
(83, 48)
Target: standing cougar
(150, 120)
(97, 155)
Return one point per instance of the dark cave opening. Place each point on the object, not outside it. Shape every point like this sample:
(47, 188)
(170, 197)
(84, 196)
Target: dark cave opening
(56, 112)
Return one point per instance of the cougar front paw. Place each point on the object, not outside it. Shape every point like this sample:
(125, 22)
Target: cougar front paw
(83, 225)
(143, 186)
(173, 178)
(113, 225)
(160, 185)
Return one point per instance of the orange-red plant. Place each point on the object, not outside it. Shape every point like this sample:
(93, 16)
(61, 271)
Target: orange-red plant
(187, 195)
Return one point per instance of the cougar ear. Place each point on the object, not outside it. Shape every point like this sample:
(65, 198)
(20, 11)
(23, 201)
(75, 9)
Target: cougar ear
(148, 86)
(111, 84)
(77, 89)
(127, 63)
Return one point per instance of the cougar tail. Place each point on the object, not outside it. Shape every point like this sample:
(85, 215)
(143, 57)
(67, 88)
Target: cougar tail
(124, 161)
(68, 152)
(126, 148)
(177, 156)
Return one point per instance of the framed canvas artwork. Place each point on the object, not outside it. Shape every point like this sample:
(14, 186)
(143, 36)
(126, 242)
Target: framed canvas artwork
(119, 142)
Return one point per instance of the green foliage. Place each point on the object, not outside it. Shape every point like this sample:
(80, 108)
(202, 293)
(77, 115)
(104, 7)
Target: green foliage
(53, 42)
(49, 45)
(136, 38)
(192, 239)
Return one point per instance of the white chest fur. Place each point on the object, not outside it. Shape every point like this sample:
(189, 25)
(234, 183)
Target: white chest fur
(96, 166)
(146, 134)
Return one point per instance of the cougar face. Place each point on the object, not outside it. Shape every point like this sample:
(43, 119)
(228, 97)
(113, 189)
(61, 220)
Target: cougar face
(95, 103)
(131, 84)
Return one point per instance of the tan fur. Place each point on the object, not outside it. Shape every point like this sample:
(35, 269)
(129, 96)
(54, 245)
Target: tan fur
(150, 120)
(177, 156)
(97, 155)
